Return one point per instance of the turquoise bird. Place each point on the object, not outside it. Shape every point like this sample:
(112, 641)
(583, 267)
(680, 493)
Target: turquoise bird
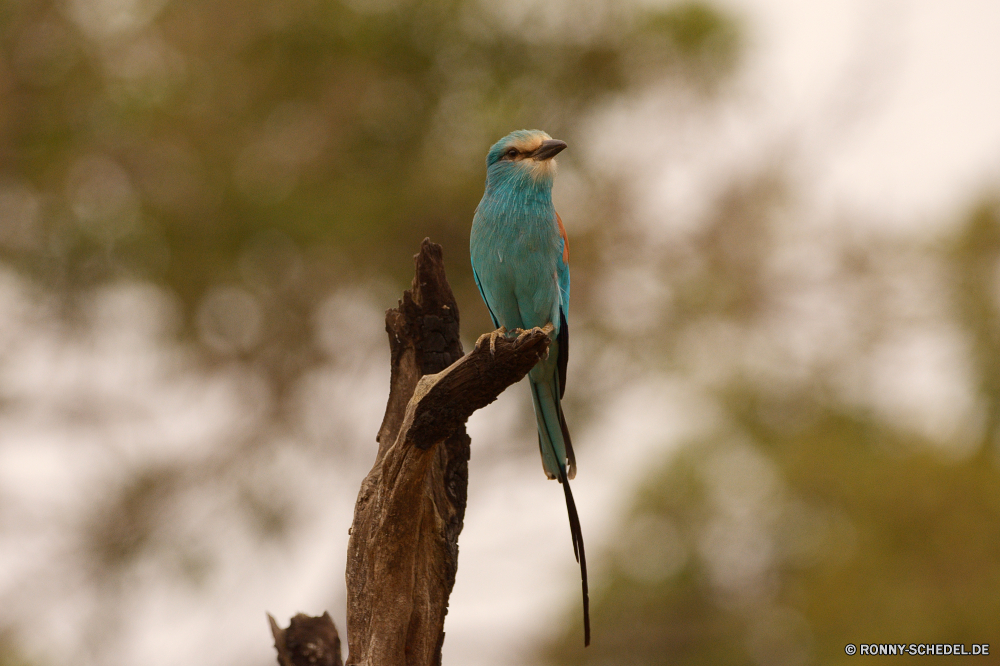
(520, 261)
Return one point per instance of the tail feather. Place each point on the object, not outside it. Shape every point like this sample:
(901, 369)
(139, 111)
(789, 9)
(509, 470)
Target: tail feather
(581, 556)
(549, 440)
(560, 463)
(567, 444)
(554, 442)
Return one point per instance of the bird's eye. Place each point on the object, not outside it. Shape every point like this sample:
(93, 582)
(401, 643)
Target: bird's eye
(512, 153)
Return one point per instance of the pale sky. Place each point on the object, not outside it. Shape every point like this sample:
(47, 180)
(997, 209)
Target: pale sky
(915, 83)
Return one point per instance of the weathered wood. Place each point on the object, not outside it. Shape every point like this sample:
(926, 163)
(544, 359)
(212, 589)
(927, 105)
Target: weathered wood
(403, 552)
(308, 641)
(402, 555)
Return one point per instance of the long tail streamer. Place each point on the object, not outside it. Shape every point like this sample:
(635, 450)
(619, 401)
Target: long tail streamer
(581, 556)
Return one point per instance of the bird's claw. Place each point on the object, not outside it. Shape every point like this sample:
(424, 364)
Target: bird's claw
(493, 335)
(523, 333)
(502, 331)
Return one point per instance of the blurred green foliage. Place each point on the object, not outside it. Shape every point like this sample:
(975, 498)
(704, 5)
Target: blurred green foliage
(288, 147)
(974, 267)
(163, 138)
(250, 160)
(871, 546)
(253, 158)
(802, 522)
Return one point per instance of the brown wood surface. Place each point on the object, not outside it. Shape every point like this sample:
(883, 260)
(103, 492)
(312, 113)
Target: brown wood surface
(402, 555)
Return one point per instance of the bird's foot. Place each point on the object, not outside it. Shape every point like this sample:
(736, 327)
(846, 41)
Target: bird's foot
(502, 331)
(522, 333)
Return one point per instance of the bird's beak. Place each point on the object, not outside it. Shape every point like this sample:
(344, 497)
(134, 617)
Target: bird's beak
(548, 149)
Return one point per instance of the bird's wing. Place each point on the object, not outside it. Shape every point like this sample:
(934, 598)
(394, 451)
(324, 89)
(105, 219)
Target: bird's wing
(479, 286)
(562, 265)
(562, 274)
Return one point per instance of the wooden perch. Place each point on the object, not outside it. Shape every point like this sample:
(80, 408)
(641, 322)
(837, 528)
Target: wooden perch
(403, 552)
(402, 555)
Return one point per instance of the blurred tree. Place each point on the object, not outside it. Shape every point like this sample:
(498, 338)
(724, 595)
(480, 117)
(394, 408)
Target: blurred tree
(281, 148)
(185, 142)
(805, 520)
(852, 536)
(974, 264)
(250, 160)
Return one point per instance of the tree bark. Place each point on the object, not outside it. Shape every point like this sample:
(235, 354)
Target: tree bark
(308, 641)
(402, 555)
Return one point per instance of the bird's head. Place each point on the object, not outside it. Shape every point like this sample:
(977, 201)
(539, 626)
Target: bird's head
(524, 154)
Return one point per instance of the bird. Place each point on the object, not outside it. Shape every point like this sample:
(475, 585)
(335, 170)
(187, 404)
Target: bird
(520, 262)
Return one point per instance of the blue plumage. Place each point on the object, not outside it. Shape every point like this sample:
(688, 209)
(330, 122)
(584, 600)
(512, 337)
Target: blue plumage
(520, 260)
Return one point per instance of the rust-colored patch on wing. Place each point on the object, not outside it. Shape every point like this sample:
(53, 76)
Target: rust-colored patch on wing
(562, 232)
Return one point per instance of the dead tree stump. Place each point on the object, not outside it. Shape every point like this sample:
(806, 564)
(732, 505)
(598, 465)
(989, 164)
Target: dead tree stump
(402, 555)
(308, 641)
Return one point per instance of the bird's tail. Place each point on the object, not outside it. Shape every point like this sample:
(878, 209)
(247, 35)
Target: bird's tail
(553, 436)
(560, 463)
